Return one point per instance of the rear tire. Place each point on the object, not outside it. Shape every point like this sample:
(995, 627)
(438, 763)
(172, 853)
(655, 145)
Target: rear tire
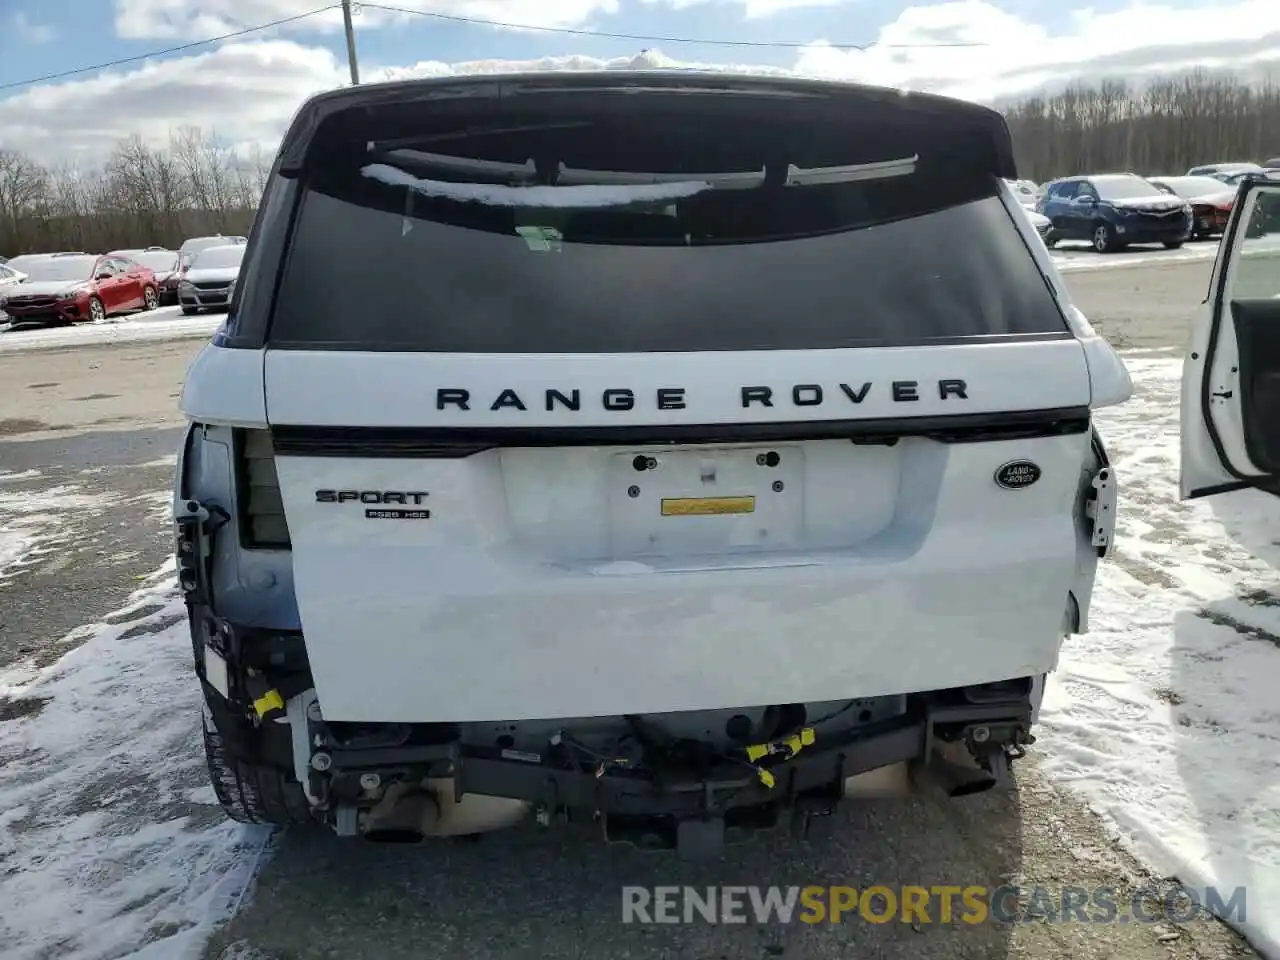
(1172, 244)
(150, 299)
(250, 793)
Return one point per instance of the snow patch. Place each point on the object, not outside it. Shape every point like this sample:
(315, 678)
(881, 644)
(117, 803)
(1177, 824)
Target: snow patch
(14, 545)
(1165, 715)
(1070, 258)
(33, 522)
(163, 324)
(111, 842)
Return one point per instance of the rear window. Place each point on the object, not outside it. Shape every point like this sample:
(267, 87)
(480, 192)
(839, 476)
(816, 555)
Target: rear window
(401, 251)
(216, 257)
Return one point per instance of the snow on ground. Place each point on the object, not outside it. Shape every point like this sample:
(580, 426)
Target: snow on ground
(34, 523)
(111, 844)
(1165, 716)
(167, 323)
(1071, 255)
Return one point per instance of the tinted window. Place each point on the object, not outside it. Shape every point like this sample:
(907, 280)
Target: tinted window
(1257, 269)
(806, 267)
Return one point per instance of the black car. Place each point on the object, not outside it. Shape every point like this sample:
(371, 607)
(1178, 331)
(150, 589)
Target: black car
(1114, 210)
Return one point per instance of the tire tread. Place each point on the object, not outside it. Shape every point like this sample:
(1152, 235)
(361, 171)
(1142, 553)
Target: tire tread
(252, 793)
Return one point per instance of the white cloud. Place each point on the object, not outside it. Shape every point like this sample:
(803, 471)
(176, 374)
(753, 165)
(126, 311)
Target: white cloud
(755, 9)
(29, 32)
(164, 19)
(243, 91)
(1017, 57)
(247, 90)
(770, 8)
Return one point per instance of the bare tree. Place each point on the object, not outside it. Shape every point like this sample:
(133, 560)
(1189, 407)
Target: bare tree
(22, 184)
(1165, 126)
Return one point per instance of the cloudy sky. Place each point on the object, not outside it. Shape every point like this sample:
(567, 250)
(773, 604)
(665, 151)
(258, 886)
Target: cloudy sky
(245, 88)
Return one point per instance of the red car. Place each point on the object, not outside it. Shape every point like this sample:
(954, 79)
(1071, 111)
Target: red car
(1210, 200)
(72, 287)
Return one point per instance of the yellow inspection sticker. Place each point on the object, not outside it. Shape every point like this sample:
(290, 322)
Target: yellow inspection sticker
(707, 506)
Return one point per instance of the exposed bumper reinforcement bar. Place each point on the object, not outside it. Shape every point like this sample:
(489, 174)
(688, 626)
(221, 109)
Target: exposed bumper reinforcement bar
(961, 749)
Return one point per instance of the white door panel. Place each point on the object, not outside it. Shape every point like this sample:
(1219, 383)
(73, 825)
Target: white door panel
(1231, 377)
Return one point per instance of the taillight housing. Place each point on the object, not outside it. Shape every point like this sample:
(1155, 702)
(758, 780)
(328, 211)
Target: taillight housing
(261, 509)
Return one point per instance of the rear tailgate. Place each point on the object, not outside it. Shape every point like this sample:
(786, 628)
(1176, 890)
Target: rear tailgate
(641, 445)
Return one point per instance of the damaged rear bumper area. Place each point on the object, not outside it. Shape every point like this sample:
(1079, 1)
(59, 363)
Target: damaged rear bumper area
(689, 781)
(691, 803)
(405, 782)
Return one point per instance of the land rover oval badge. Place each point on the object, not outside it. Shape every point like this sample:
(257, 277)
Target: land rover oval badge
(1017, 474)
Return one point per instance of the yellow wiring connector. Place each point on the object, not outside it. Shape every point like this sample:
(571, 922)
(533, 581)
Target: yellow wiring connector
(269, 701)
(789, 746)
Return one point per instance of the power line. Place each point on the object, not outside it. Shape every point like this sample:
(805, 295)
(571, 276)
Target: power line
(167, 50)
(481, 22)
(647, 38)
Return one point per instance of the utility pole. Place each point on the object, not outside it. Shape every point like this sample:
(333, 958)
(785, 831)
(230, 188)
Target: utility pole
(351, 42)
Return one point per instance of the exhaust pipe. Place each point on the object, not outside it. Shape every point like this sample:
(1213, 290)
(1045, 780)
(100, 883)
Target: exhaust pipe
(409, 819)
(956, 773)
(408, 813)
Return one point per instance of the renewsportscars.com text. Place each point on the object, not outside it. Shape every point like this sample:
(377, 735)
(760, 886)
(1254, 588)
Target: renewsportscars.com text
(940, 903)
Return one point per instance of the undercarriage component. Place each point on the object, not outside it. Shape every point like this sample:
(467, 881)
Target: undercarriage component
(417, 790)
(411, 812)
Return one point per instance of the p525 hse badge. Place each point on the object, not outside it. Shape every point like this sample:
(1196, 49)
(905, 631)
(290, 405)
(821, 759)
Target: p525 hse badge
(1017, 474)
(401, 498)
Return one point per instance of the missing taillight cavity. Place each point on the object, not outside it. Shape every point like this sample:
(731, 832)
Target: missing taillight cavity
(262, 519)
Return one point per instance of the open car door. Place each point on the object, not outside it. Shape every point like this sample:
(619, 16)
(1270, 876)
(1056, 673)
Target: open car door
(1231, 377)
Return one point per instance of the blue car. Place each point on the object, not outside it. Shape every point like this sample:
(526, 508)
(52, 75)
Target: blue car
(1112, 211)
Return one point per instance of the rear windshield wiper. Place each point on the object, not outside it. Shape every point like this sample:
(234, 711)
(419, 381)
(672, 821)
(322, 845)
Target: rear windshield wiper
(598, 188)
(502, 195)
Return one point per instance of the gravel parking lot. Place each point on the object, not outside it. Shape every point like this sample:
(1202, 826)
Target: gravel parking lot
(98, 422)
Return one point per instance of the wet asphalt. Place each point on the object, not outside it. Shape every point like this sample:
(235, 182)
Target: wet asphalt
(102, 495)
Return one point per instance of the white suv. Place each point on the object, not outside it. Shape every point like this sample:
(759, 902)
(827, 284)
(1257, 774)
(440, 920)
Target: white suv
(670, 449)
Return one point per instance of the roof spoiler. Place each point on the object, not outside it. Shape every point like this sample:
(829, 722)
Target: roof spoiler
(934, 113)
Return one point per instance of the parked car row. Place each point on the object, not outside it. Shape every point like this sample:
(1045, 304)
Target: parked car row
(1112, 211)
(72, 286)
